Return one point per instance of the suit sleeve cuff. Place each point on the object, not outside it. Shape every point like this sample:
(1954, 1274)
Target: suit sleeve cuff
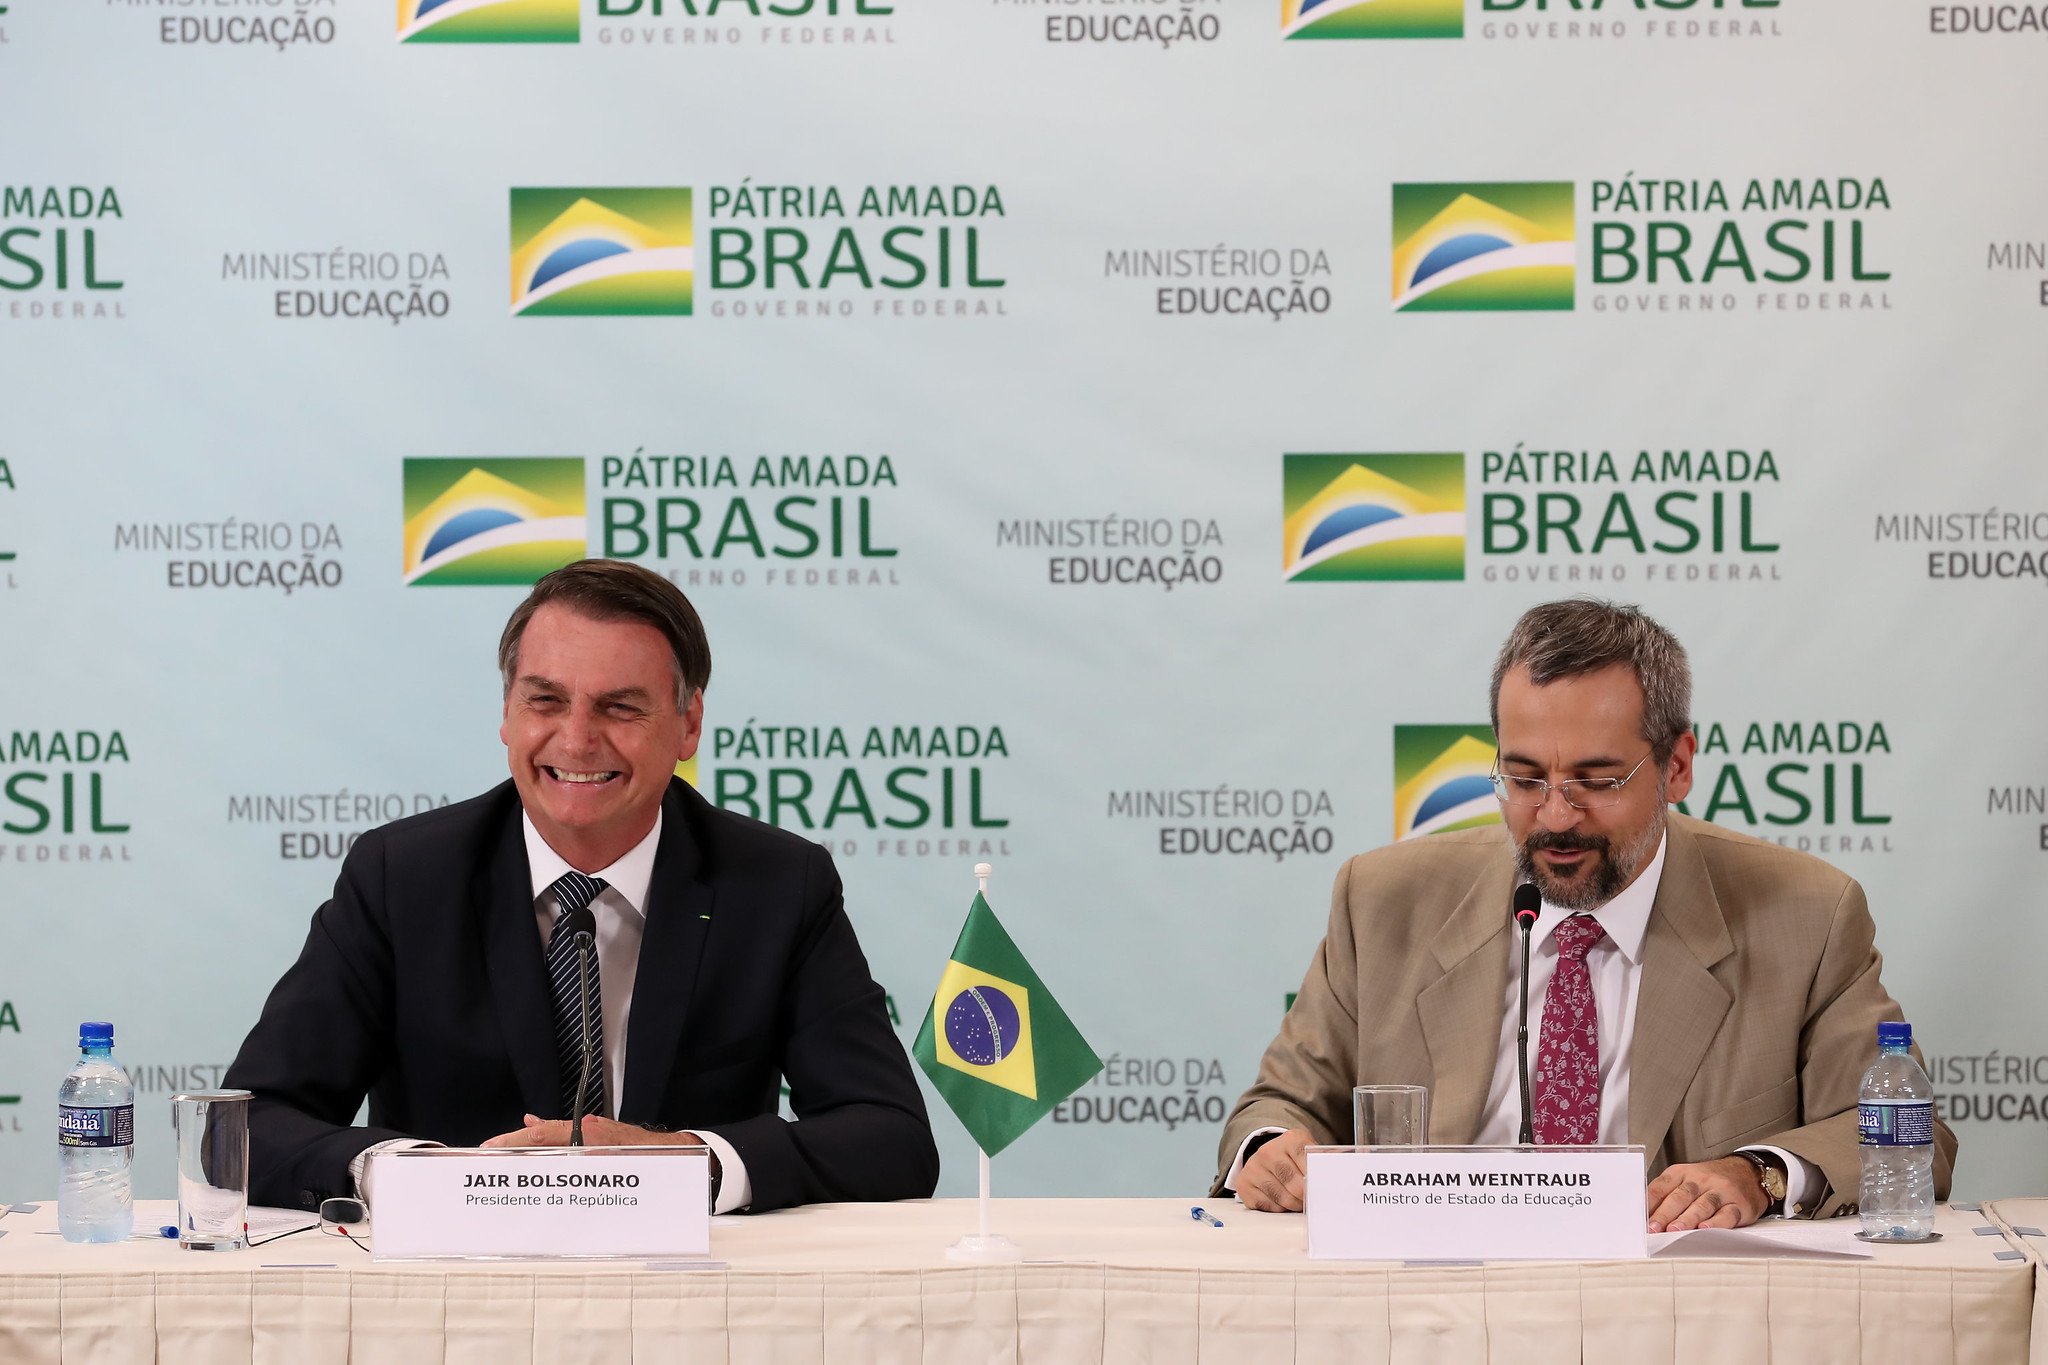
(1802, 1177)
(1230, 1181)
(735, 1191)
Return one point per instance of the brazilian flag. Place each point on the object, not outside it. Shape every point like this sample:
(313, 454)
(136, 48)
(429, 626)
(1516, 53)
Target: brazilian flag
(998, 1047)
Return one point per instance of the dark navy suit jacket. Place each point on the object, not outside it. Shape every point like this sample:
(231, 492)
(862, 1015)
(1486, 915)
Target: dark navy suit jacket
(423, 986)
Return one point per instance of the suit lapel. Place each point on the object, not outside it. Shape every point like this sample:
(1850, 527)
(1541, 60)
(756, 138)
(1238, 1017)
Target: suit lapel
(1680, 1006)
(1461, 1009)
(680, 905)
(518, 974)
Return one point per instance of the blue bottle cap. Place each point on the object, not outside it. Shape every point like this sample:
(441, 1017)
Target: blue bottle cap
(1895, 1035)
(96, 1035)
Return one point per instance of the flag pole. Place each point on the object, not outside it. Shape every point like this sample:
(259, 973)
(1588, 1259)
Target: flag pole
(984, 1194)
(982, 872)
(985, 1246)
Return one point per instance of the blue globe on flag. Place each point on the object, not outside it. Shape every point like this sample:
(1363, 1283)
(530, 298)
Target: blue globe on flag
(982, 1025)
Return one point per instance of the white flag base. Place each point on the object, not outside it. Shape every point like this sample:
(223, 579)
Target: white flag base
(984, 1245)
(992, 1247)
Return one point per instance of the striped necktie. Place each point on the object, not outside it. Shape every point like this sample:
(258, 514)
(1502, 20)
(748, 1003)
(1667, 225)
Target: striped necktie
(573, 891)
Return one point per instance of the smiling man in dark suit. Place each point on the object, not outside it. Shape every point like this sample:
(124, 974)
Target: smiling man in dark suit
(726, 959)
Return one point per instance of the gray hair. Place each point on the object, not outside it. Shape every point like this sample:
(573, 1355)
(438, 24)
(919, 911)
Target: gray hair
(1584, 635)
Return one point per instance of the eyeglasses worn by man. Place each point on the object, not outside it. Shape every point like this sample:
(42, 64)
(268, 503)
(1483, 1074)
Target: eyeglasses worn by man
(1707, 995)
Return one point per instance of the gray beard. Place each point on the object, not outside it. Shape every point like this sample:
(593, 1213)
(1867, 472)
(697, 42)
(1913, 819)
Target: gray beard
(1616, 868)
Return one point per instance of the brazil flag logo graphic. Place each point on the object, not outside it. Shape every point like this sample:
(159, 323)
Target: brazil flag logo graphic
(503, 521)
(487, 21)
(1387, 517)
(998, 1048)
(1443, 779)
(1372, 19)
(1495, 247)
(602, 253)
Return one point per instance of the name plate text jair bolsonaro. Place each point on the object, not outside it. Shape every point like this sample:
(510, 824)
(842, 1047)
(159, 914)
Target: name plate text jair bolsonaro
(542, 1203)
(1475, 1203)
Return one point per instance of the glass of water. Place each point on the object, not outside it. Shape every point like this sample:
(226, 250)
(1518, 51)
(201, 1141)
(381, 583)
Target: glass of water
(212, 1128)
(1390, 1115)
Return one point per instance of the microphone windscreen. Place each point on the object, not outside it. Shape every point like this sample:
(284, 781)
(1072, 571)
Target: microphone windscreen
(1528, 903)
(580, 921)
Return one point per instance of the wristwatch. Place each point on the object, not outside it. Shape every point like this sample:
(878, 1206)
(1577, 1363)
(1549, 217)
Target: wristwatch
(1770, 1173)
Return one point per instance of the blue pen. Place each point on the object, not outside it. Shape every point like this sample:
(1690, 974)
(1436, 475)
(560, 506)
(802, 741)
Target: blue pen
(1202, 1215)
(167, 1230)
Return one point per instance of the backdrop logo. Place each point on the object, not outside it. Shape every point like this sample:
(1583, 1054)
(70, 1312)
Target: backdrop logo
(491, 521)
(601, 252)
(912, 250)
(1442, 779)
(1500, 247)
(9, 1022)
(55, 249)
(883, 791)
(1373, 517)
(1682, 244)
(1372, 18)
(2030, 803)
(54, 792)
(487, 21)
(773, 521)
(6, 555)
(1819, 786)
(1671, 514)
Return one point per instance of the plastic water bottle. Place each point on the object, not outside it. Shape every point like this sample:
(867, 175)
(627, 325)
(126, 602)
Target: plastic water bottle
(95, 1143)
(1895, 1121)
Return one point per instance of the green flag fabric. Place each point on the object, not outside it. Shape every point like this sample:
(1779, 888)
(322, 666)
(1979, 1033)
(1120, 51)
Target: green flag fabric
(998, 1047)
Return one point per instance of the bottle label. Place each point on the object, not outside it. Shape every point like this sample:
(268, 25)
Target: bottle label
(1895, 1123)
(111, 1127)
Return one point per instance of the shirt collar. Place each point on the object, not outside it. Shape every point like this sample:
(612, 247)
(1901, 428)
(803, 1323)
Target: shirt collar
(1626, 918)
(628, 877)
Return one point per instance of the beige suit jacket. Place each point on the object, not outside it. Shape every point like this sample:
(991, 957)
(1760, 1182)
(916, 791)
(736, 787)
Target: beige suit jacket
(1756, 1018)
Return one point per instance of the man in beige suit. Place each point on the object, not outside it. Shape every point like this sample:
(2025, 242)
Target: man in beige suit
(1734, 991)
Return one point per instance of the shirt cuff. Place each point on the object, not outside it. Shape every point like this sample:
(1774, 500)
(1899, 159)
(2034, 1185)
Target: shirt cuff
(1801, 1176)
(359, 1164)
(1230, 1181)
(735, 1191)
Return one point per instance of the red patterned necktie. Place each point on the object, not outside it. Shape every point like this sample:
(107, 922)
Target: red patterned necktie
(1567, 1081)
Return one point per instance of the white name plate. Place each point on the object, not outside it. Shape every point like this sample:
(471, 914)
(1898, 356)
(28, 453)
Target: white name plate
(541, 1203)
(1476, 1203)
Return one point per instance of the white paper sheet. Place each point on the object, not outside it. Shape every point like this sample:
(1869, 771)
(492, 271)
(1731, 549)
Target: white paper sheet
(1834, 1240)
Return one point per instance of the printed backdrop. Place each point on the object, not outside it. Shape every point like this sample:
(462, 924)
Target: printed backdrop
(1107, 440)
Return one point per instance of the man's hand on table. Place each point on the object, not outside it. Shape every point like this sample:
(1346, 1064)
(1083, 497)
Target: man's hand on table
(1705, 1194)
(1275, 1178)
(597, 1132)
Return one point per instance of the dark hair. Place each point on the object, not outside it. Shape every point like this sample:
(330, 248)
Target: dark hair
(613, 590)
(1584, 635)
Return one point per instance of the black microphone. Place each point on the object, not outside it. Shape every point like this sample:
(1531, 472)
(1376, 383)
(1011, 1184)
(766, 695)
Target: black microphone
(1528, 905)
(581, 926)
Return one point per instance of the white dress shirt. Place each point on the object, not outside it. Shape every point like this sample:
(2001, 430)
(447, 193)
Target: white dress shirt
(1615, 966)
(621, 914)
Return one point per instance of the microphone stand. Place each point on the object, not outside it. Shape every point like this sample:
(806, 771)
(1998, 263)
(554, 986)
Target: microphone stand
(584, 947)
(1528, 922)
